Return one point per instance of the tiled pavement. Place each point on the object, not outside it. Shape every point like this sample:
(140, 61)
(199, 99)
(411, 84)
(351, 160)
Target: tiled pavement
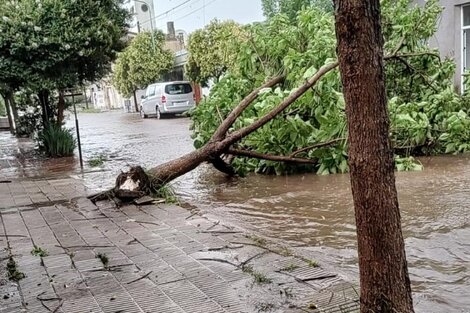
(154, 258)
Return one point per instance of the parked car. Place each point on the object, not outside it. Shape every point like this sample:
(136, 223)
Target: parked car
(167, 98)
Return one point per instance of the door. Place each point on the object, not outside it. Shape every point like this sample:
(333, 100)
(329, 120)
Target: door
(149, 99)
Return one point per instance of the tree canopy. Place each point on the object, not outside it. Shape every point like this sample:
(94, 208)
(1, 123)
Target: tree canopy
(212, 50)
(427, 115)
(291, 8)
(143, 62)
(52, 44)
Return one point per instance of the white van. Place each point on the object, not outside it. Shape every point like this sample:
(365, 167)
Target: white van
(167, 98)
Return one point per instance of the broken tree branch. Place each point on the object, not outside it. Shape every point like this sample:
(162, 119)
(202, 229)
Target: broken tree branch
(317, 145)
(270, 157)
(140, 278)
(243, 132)
(409, 55)
(221, 132)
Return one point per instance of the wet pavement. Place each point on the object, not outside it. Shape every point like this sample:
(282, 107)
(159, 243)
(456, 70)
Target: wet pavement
(66, 254)
(313, 214)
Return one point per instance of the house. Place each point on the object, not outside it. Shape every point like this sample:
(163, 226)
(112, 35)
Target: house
(453, 36)
(143, 14)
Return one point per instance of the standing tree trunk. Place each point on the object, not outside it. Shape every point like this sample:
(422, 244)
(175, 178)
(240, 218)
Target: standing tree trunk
(13, 108)
(11, 122)
(60, 108)
(46, 111)
(385, 284)
(135, 102)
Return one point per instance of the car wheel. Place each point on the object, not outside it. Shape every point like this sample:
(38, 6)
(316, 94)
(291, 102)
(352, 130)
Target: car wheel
(142, 113)
(159, 114)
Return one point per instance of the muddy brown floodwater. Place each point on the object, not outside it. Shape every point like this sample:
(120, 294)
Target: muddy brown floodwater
(312, 212)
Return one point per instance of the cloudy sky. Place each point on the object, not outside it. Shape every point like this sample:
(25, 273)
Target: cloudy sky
(194, 14)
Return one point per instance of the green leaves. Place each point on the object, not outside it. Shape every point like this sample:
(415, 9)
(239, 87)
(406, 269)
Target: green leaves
(212, 50)
(426, 115)
(51, 44)
(143, 62)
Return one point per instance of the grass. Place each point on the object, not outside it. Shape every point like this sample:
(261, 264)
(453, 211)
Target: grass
(103, 258)
(259, 278)
(98, 160)
(289, 268)
(310, 262)
(167, 193)
(13, 273)
(258, 240)
(38, 251)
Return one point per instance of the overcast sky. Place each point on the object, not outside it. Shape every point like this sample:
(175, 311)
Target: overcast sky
(196, 13)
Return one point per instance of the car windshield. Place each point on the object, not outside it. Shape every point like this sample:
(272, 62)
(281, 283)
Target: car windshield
(178, 89)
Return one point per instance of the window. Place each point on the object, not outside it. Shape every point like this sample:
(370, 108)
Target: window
(466, 15)
(151, 91)
(465, 42)
(178, 89)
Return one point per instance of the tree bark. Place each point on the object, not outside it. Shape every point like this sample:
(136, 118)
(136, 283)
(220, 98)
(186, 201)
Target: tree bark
(385, 284)
(222, 140)
(60, 108)
(46, 111)
(13, 107)
(135, 102)
(9, 114)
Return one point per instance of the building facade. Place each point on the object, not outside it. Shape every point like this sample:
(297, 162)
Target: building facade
(453, 36)
(143, 15)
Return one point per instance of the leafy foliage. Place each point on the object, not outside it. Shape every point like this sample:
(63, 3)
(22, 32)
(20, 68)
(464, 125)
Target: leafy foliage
(143, 62)
(427, 115)
(212, 50)
(52, 44)
(271, 8)
(48, 45)
(56, 141)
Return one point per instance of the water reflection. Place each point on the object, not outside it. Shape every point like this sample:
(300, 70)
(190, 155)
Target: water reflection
(310, 211)
(317, 212)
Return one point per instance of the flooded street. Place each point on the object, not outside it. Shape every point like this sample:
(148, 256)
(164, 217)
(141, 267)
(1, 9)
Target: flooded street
(313, 213)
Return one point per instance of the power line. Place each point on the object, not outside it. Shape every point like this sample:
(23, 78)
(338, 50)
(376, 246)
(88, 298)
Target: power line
(192, 12)
(168, 11)
(173, 8)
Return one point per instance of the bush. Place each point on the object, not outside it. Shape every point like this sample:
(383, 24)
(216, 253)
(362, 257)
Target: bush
(56, 141)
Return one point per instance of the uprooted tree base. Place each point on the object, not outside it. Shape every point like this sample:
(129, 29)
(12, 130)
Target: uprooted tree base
(137, 183)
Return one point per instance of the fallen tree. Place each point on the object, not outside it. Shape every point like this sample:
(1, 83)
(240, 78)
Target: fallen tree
(296, 121)
(137, 183)
(133, 184)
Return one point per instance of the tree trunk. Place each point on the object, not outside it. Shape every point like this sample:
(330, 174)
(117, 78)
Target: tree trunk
(13, 107)
(60, 108)
(9, 114)
(221, 143)
(385, 285)
(135, 102)
(46, 111)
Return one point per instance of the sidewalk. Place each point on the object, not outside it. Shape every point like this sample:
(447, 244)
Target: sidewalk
(154, 258)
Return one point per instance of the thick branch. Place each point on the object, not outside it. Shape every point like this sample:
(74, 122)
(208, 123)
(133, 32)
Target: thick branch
(317, 145)
(412, 54)
(232, 117)
(222, 166)
(270, 157)
(239, 134)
